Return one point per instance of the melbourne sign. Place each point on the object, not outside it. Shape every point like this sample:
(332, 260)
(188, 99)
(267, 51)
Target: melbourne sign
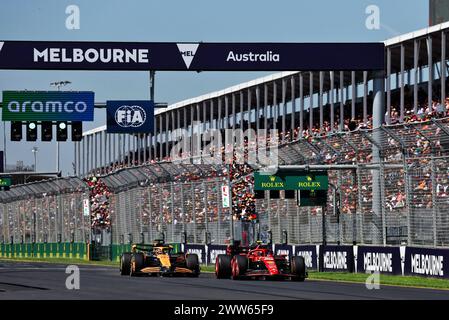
(213, 251)
(306, 181)
(283, 250)
(310, 254)
(379, 259)
(337, 258)
(197, 249)
(64, 55)
(48, 106)
(133, 116)
(426, 262)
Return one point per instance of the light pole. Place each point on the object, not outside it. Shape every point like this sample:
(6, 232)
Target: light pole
(58, 85)
(35, 150)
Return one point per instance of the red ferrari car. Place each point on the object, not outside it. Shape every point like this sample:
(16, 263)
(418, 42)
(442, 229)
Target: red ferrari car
(258, 262)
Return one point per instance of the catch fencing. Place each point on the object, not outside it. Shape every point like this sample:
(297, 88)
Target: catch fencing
(399, 197)
(45, 212)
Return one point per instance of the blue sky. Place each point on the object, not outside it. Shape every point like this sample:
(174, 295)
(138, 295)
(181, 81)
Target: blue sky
(178, 20)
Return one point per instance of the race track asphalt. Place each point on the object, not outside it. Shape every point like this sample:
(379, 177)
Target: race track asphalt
(41, 281)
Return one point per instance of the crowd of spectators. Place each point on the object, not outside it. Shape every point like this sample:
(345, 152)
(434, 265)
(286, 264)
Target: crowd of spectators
(99, 203)
(330, 150)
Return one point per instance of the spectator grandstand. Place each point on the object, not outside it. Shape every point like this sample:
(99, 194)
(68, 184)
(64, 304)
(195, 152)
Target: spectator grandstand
(397, 173)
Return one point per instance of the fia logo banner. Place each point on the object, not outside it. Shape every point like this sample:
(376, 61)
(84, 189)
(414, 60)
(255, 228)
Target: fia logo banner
(130, 116)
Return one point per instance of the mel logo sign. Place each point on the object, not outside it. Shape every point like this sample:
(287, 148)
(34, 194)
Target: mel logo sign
(130, 116)
(48, 106)
(188, 51)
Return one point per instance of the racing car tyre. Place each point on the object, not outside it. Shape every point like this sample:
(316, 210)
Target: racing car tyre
(192, 263)
(223, 266)
(137, 263)
(239, 266)
(298, 268)
(125, 264)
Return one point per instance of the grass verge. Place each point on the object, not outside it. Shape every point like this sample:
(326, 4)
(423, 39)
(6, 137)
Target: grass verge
(404, 281)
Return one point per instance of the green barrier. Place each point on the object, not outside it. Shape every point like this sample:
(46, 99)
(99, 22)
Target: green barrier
(47, 250)
(75, 250)
(80, 250)
(42, 250)
(35, 249)
(118, 249)
(176, 247)
(67, 250)
(3, 249)
(29, 250)
(83, 251)
(114, 252)
(60, 250)
(54, 250)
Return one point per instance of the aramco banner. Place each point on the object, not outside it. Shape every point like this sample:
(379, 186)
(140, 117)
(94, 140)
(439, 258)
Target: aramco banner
(48, 106)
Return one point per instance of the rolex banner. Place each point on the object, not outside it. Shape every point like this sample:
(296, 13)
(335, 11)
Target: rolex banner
(302, 181)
